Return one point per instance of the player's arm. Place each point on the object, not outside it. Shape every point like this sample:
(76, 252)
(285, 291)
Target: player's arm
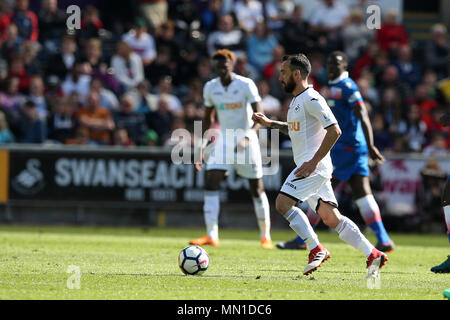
(261, 119)
(257, 108)
(308, 167)
(360, 111)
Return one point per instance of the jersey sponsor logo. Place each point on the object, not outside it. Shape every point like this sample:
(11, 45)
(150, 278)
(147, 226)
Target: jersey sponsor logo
(230, 106)
(217, 93)
(294, 126)
(291, 185)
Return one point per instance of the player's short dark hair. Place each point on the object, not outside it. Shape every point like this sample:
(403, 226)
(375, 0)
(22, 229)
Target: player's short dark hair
(224, 54)
(340, 54)
(299, 62)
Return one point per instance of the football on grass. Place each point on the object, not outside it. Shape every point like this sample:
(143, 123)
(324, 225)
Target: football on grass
(193, 260)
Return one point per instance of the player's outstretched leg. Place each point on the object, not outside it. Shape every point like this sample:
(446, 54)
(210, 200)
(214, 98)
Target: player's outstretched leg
(444, 267)
(300, 224)
(350, 233)
(297, 243)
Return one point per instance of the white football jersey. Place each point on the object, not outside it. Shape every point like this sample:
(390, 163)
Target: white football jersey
(232, 103)
(307, 117)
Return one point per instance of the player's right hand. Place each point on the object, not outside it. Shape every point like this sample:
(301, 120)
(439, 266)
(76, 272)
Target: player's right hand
(260, 118)
(199, 166)
(376, 155)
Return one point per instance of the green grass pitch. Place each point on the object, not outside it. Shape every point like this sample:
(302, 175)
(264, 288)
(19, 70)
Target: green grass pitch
(134, 263)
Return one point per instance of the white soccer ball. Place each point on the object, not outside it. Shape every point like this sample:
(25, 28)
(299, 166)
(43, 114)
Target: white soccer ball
(193, 260)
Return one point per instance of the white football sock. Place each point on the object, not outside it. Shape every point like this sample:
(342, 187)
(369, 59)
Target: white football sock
(300, 224)
(368, 207)
(349, 232)
(211, 209)
(447, 217)
(262, 211)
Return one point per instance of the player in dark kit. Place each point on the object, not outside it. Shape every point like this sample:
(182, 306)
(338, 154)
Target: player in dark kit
(351, 152)
(444, 267)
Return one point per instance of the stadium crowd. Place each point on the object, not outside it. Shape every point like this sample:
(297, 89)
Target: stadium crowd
(131, 81)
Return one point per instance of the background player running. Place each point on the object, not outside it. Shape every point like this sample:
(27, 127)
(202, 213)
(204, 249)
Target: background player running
(350, 153)
(234, 98)
(444, 267)
(313, 131)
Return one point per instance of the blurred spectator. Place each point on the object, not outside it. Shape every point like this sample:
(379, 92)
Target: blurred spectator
(186, 17)
(390, 79)
(422, 99)
(391, 107)
(409, 71)
(368, 92)
(392, 34)
(25, 20)
(204, 70)
(90, 24)
(210, 16)
(328, 19)
(32, 128)
(161, 120)
(6, 135)
(52, 25)
(165, 90)
(12, 42)
(96, 119)
(278, 12)
(191, 114)
(127, 66)
(32, 62)
(187, 64)
(271, 106)
(17, 70)
(151, 138)
(260, 46)
(155, 11)
(437, 146)
(4, 19)
(271, 72)
(37, 96)
(128, 118)
(121, 138)
(248, 14)
(62, 123)
(297, 35)
(443, 89)
(141, 42)
(413, 129)
(144, 101)
(53, 91)
(163, 65)
(437, 51)
(165, 36)
(318, 76)
(108, 99)
(81, 137)
(226, 37)
(195, 92)
(382, 138)
(63, 61)
(366, 61)
(243, 68)
(356, 36)
(77, 81)
(434, 125)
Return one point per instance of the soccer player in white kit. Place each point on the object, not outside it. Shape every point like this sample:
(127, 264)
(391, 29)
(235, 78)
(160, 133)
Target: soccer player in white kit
(234, 98)
(313, 130)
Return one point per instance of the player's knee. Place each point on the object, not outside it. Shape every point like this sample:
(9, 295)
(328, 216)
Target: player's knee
(282, 205)
(329, 216)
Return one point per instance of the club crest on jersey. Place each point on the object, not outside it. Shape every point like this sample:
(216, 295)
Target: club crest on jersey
(294, 126)
(335, 93)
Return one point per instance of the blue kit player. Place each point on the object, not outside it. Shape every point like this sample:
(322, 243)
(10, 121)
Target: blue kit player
(351, 152)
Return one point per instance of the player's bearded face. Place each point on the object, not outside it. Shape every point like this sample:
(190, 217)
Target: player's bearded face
(289, 84)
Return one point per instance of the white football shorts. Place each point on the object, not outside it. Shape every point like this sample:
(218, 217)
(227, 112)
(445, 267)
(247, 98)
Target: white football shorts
(247, 163)
(309, 189)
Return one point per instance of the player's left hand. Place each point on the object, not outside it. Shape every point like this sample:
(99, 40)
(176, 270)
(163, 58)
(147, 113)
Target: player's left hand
(376, 155)
(306, 169)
